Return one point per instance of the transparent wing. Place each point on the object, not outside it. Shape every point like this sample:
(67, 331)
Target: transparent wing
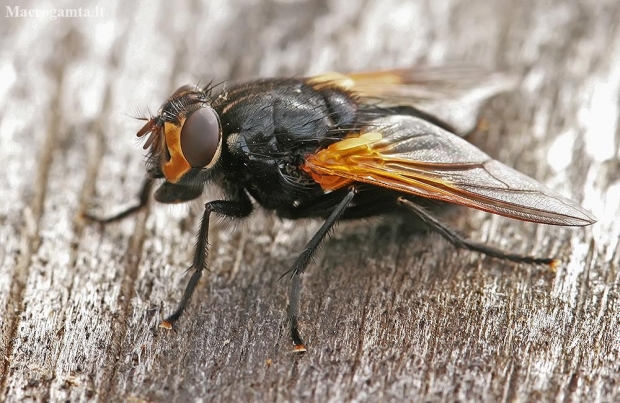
(409, 154)
(454, 94)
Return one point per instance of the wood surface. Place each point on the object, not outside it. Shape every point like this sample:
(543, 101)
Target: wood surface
(388, 314)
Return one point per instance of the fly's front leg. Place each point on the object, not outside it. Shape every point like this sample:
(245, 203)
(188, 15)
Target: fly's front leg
(144, 195)
(302, 262)
(237, 208)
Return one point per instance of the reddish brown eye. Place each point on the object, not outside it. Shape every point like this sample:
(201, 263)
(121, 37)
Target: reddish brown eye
(200, 137)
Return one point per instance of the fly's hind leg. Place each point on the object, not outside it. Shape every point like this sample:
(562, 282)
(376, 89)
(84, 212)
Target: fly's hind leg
(460, 242)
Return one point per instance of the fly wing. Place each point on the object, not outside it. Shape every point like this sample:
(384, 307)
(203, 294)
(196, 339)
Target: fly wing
(454, 94)
(411, 155)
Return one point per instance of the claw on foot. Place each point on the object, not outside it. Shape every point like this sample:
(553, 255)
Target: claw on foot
(299, 348)
(166, 325)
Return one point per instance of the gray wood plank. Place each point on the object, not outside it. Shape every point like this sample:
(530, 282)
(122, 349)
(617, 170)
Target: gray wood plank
(388, 314)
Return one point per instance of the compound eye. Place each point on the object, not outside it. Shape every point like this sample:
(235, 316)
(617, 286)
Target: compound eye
(200, 137)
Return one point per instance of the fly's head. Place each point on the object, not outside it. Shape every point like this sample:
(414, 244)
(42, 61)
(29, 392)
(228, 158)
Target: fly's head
(185, 135)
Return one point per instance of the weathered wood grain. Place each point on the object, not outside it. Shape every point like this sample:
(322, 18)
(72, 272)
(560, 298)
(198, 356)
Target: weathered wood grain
(388, 315)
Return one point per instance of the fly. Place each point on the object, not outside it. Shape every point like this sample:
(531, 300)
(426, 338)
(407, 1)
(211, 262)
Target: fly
(335, 147)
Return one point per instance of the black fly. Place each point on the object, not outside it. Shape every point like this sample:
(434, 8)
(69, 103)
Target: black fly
(333, 146)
